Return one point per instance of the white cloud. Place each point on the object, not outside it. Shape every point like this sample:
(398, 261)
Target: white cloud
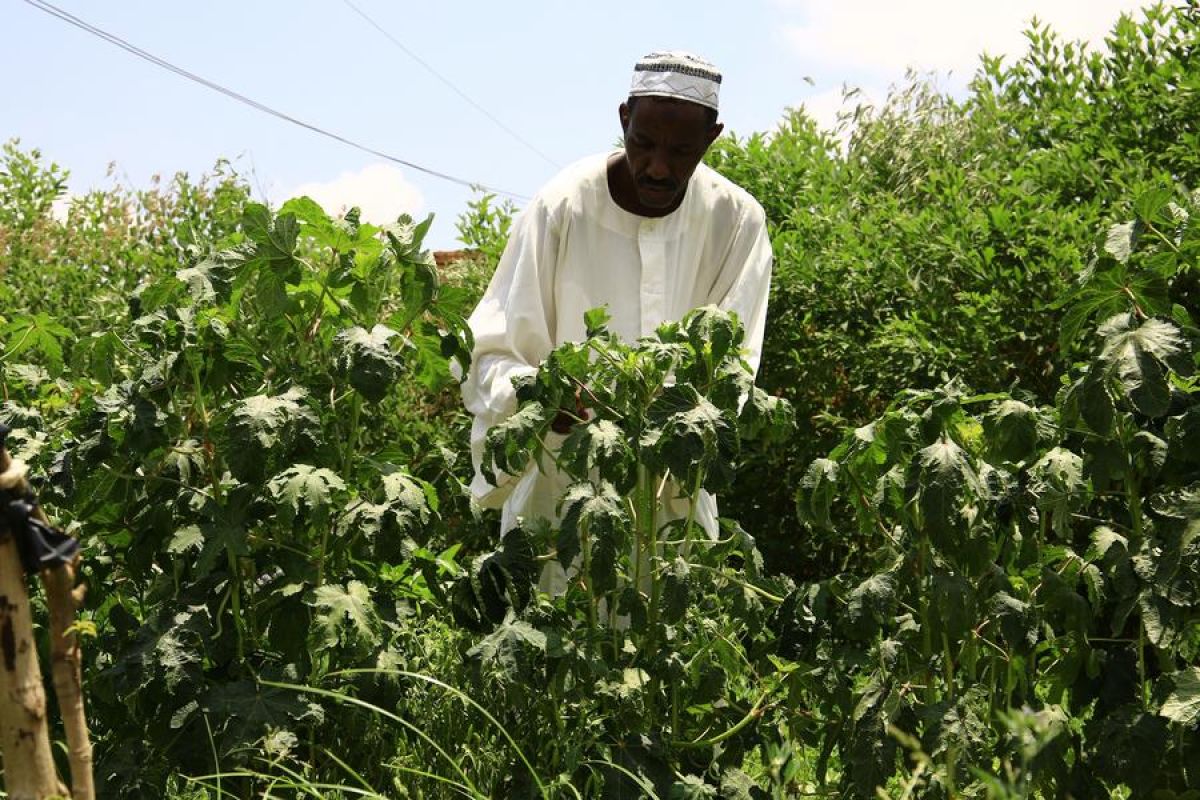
(380, 190)
(885, 37)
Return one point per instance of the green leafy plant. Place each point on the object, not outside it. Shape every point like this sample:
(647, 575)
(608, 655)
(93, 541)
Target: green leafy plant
(1037, 566)
(86, 254)
(631, 643)
(232, 470)
(938, 236)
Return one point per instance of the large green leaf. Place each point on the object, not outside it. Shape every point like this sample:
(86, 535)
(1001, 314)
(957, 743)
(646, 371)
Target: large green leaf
(39, 333)
(413, 501)
(1111, 286)
(391, 526)
(817, 491)
(603, 446)
(1147, 454)
(1183, 703)
(1121, 239)
(947, 484)
(368, 360)
(958, 727)
(1181, 504)
(346, 614)
(1163, 621)
(263, 429)
(1127, 746)
(1111, 551)
(1183, 437)
(692, 787)
(186, 538)
(596, 514)
(271, 295)
(340, 235)
(166, 647)
(1151, 203)
(870, 605)
(766, 417)
(953, 605)
(306, 492)
(1057, 484)
(869, 751)
(692, 437)
(511, 444)
(274, 235)
(513, 650)
(1096, 403)
(315, 222)
(1139, 356)
(713, 334)
(676, 591)
(206, 281)
(215, 541)
(246, 710)
(1015, 621)
(1015, 429)
(496, 582)
(418, 279)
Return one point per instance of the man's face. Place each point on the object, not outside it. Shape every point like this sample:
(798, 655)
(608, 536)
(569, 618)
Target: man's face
(664, 142)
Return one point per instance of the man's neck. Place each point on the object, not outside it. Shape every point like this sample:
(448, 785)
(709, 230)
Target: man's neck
(623, 192)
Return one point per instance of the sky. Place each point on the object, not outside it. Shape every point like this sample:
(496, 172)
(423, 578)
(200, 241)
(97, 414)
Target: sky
(499, 94)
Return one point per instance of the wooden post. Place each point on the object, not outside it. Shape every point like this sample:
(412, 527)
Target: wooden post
(29, 770)
(24, 737)
(64, 599)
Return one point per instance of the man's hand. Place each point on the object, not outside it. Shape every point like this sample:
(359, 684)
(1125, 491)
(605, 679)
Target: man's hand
(565, 419)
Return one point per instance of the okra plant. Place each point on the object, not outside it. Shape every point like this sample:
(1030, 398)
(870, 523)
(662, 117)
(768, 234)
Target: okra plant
(1036, 603)
(636, 637)
(229, 458)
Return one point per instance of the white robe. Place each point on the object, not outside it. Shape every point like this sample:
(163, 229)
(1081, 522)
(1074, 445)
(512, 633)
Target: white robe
(573, 249)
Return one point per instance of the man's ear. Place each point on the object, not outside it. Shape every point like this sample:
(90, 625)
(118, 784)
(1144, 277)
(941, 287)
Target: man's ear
(715, 131)
(623, 114)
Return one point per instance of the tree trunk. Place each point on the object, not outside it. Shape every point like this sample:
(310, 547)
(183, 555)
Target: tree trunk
(24, 737)
(64, 600)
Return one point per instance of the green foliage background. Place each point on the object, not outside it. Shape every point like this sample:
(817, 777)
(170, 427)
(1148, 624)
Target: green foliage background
(936, 244)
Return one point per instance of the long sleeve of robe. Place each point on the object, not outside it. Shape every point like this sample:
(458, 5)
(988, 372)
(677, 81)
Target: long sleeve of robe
(573, 249)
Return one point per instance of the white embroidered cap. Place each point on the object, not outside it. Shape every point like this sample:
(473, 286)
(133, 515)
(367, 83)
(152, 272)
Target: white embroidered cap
(677, 74)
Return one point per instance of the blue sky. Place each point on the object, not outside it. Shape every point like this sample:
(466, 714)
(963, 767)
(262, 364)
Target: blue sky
(553, 72)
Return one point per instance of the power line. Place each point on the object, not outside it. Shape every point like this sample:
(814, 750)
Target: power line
(113, 39)
(532, 148)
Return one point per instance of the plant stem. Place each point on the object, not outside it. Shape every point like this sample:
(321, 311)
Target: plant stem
(649, 510)
(948, 666)
(754, 713)
(1135, 503)
(763, 593)
(321, 556)
(644, 527)
(311, 329)
(926, 629)
(1162, 237)
(585, 573)
(351, 444)
(235, 573)
(235, 603)
(675, 708)
(1143, 688)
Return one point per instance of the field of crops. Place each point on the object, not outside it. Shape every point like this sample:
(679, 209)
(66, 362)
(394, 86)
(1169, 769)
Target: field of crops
(959, 554)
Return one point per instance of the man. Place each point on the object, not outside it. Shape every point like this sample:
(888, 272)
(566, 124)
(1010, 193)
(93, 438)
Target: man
(647, 231)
